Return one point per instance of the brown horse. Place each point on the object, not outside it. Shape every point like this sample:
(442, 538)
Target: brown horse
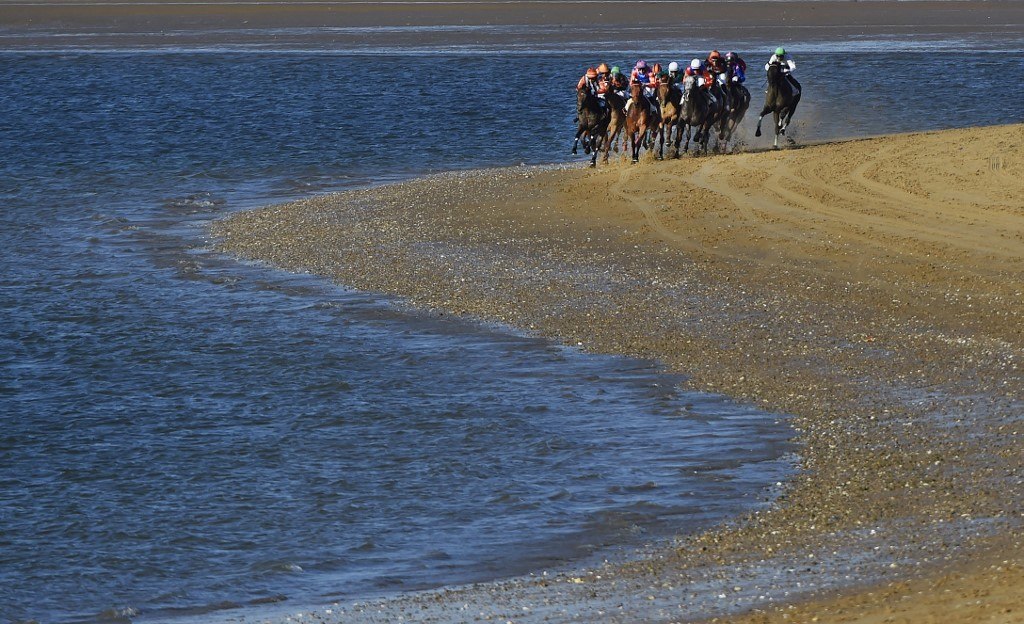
(639, 120)
(670, 100)
(781, 100)
(617, 109)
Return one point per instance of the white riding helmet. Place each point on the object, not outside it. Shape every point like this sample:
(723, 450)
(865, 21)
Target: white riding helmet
(673, 66)
(695, 64)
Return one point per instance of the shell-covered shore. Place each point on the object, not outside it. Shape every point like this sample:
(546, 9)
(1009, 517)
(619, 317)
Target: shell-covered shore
(872, 289)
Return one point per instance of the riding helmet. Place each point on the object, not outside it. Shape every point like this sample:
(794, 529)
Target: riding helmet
(591, 72)
(615, 70)
(695, 64)
(673, 67)
(780, 51)
(641, 64)
(714, 54)
(603, 68)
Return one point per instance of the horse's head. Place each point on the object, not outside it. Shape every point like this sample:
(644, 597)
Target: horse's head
(636, 91)
(689, 85)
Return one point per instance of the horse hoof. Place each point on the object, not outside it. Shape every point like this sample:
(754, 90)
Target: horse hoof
(758, 133)
(574, 151)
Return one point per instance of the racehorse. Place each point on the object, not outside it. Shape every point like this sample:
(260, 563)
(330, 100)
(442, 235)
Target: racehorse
(740, 99)
(698, 113)
(593, 124)
(670, 100)
(781, 100)
(617, 120)
(639, 120)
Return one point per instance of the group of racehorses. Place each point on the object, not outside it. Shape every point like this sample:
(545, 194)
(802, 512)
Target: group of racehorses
(682, 110)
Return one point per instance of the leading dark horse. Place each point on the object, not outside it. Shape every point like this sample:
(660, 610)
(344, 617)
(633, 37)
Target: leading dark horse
(781, 100)
(592, 125)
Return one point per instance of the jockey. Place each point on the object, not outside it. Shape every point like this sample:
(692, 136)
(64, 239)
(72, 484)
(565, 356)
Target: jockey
(698, 72)
(591, 85)
(737, 67)
(786, 65)
(674, 77)
(642, 75)
(619, 83)
(715, 62)
(588, 82)
(717, 68)
(604, 81)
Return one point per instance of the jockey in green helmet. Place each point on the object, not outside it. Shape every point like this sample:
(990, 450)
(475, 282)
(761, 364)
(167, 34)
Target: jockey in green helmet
(785, 64)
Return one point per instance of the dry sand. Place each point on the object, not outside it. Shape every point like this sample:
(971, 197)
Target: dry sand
(872, 289)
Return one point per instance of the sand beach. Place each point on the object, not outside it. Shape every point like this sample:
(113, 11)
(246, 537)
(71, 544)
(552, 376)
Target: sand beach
(873, 289)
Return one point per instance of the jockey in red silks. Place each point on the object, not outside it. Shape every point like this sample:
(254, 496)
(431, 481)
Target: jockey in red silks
(715, 62)
(717, 68)
(589, 84)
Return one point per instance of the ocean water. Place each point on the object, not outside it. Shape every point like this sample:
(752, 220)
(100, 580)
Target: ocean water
(181, 433)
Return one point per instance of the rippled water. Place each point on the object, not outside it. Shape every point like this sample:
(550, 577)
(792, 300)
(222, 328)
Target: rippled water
(182, 433)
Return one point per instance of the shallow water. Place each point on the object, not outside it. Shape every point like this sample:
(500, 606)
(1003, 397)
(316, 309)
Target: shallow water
(183, 433)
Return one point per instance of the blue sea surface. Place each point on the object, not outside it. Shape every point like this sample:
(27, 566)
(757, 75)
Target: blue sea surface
(181, 433)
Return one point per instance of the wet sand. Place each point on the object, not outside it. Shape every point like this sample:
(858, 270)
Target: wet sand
(468, 22)
(872, 289)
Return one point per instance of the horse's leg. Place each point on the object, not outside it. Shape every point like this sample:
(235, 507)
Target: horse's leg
(789, 115)
(579, 132)
(764, 111)
(778, 127)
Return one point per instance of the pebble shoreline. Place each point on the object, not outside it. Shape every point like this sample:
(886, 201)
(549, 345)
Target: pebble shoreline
(909, 410)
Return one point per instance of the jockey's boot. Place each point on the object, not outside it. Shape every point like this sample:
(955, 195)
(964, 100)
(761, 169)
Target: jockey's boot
(794, 84)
